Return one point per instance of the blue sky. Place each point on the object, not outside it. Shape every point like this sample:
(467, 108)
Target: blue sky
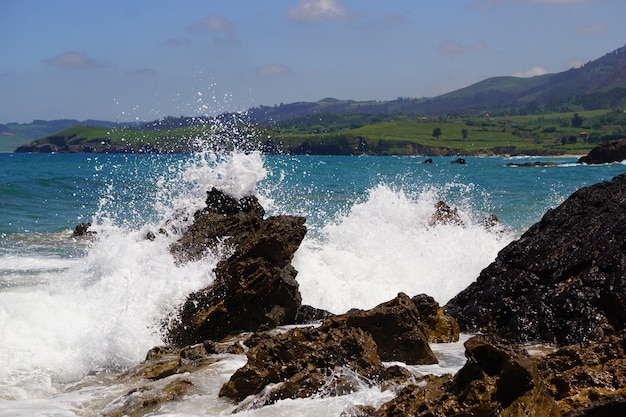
(146, 59)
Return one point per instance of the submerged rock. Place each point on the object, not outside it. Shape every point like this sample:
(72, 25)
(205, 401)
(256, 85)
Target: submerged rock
(605, 153)
(563, 281)
(255, 287)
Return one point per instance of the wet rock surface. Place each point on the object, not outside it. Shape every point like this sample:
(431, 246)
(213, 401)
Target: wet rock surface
(255, 287)
(563, 281)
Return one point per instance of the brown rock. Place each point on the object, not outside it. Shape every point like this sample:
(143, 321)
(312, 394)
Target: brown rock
(255, 288)
(444, 214)
(497, 380)
(436, 324)
(326, 360)
(397, 330)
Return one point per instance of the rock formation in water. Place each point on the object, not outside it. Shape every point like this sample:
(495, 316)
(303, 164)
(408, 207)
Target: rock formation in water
(255, 287)
(605, 153)
(563, 281)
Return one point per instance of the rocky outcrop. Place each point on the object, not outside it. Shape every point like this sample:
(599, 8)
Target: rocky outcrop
(588, 379)
(255, 287)
(563, 281)
(444, 214)
(400, 330)
(498, 379)
(605, 153)
(328, 360)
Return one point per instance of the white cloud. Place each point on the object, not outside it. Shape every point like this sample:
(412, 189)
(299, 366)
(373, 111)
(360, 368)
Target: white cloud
(532, 72)
(74, 60)
(269, 70)
(451, 48)
(213, 23)
(308, 11)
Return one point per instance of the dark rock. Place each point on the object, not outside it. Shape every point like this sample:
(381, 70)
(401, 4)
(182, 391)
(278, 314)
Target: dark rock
(255, 288)
(327, 361)
(307, 314)
(459, 161)
(497, 380)
(427, 161)
(605, 153)
(563, 281)
(82, 229)
(532, 164)
(397, 330)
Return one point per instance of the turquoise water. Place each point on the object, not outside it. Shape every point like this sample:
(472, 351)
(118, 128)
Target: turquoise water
(50, 193)
(74, 310)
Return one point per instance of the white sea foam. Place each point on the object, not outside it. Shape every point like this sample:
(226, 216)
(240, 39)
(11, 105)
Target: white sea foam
(385, 245)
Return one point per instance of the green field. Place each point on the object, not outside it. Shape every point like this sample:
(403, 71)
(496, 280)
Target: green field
(549, 134)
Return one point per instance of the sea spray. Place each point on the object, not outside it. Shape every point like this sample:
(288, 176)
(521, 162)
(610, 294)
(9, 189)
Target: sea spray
(385, 245)
(104, 310)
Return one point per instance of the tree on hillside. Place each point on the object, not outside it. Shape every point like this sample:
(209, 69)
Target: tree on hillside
(577, 121)
(436, 132)
(464, 133)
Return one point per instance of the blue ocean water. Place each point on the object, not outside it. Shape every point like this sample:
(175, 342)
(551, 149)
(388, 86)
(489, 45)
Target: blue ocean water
(95, 303)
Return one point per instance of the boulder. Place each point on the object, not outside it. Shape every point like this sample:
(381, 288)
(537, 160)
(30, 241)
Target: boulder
(328, 360)
(498, 379)
(532, 164)
(563, 281)
(605, 153)
(397, 329)
(255, 287)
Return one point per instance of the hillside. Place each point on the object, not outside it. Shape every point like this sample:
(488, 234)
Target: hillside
(599, 84)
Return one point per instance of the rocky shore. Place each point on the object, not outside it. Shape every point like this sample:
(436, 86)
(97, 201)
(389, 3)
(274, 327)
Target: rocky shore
(562, 285)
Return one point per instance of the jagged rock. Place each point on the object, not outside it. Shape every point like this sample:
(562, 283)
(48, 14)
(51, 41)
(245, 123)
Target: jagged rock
(497, 380)
(308, 314)
(444, 214)
(605, 153)
(435, 323)
(397, 330)
(563, 281)
(255, 287)
(301, 362)
(588, 379)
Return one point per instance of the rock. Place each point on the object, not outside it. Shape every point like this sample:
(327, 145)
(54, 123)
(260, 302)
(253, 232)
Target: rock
(427, 161)
(396, 327)
(328, 360)
(82, 229)
(459, 161)
(255, 288)
(307, 314)
(491, 221)
(444, 214)
(605, 153)
(532, 164)
(563, 281)
(435, 323)
(146, 399)
(588, 379)
(497, 380)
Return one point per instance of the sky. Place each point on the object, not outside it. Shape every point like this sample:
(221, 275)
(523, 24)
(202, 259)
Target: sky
(142, 60)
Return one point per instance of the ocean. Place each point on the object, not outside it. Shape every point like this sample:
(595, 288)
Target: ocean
(76, 312)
